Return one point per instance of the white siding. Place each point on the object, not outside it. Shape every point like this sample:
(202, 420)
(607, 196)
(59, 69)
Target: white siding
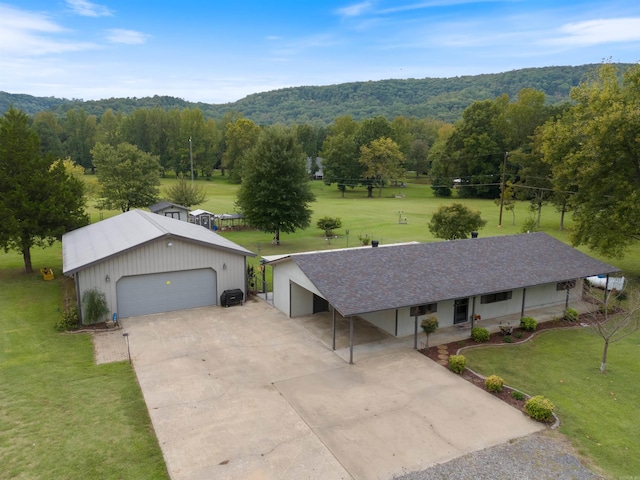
(384, 320)
(287, 273)
(301, 300)
(157, 257)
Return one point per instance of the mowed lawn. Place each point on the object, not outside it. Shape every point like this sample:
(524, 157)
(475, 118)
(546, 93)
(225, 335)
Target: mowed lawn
(62, 416)
(600, 413)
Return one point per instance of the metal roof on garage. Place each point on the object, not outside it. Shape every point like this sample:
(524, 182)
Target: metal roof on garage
(358, 281)
(113, 236)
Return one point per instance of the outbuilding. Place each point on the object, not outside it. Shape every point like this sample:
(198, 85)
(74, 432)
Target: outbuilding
(393, 287)
(146, 263)
(168, 209)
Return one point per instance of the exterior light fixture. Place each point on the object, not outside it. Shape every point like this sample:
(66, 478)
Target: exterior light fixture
(224, 266)
(107, 279)
(169, 244)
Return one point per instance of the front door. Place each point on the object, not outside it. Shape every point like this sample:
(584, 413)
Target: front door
(461, 310)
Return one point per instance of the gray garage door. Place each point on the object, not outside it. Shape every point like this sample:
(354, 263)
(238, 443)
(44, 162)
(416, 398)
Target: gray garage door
(165, 292)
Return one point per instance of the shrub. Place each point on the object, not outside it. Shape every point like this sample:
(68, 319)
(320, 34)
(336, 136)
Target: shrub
(517, 395)
(328, 225)
(494, 383)
(528, 323)
(95, 306)
(429, 325)
(479, 334)
(518, 335)
(571, 315)
(457, 363)
(539, 408)
(507, 339)
(68, 320)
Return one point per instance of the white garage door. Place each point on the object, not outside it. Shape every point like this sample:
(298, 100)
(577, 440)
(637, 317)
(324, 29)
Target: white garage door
(165, 292)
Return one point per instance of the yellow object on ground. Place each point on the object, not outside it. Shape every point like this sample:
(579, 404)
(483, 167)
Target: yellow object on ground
(47, 273)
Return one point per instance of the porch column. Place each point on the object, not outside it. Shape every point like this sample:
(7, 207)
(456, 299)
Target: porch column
(415, 334)
(524, 296)
(351, 340)
(473, 311)
(334, 328)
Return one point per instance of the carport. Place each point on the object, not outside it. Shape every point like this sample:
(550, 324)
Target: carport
(395, 286)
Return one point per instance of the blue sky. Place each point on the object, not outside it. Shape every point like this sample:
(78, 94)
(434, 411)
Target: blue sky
(220, 51)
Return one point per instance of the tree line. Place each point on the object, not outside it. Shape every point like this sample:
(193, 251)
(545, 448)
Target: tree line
(583, 157)
(440, 98)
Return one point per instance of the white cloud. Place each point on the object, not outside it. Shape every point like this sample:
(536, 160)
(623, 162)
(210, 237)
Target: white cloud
(354, 10)
(594, 32)
(29, 33)
(88, 9)
(128, 37)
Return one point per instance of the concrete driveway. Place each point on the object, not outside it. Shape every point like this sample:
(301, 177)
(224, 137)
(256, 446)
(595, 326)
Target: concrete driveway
(245, 392)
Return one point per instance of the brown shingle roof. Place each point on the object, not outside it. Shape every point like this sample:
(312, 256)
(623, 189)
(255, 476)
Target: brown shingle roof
(358, 281)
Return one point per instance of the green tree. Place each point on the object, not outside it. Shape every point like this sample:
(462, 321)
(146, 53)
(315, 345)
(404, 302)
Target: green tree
(328, 225)
(39, 201)
(275, 193)
(455, 221)
(49, 131)
(79, 136)
(128, 176)
(186, 193)
(382, 159)
(340, 163)
(240, 136)
(594, 150)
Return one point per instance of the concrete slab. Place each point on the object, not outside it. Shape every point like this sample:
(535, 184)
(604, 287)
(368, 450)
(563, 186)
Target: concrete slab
(245, 392)
(400, 412)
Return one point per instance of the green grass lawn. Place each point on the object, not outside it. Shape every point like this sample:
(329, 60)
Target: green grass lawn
(64, 417)
(61, 416)
(600, 414)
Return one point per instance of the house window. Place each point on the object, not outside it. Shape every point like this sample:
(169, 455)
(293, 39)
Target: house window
(424, 309)
(566, 285)
(496, 297)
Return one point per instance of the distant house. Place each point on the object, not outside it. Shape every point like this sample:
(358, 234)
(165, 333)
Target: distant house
(146, 263)
(457, 280)
(172, 210)
(314, 168)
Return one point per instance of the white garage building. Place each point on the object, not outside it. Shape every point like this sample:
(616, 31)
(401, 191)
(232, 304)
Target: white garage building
(147, 263)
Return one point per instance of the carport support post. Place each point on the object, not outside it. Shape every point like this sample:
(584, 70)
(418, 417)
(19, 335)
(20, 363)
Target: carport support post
(334, 328)
(524, 296)
(415, 334)
(351, 340)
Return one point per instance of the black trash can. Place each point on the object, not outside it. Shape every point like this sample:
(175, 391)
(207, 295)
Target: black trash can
(231, 297)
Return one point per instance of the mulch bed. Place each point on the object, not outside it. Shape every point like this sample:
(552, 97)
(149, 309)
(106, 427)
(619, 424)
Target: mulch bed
(518, 336)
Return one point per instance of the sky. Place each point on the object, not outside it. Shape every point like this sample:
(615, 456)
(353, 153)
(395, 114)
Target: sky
(217, 51)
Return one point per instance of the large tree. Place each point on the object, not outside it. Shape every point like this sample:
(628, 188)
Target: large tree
(275, 193)
(128, 176)
(340, 163)
(594, 150)
(455, 221)
(239, 137)
(382, 159)
(39, 200)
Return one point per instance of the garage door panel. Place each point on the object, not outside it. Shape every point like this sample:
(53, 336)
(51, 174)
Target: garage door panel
(165, 292)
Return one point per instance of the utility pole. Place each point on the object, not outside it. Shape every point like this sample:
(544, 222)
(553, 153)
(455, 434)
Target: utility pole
(503, 186)
(191, 158)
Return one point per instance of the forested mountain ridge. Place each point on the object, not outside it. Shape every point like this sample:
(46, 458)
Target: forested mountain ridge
(439, 98)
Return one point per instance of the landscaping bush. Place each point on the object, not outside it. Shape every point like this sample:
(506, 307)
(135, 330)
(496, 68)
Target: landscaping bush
(494, 383)
(68, 320)
(507, 339)
(518, 335)
(517, 395)
(95, 306)
(457, 363)
(539, 408)
(479, 334)
(528, 323)
(429, 325)
(571, 315)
